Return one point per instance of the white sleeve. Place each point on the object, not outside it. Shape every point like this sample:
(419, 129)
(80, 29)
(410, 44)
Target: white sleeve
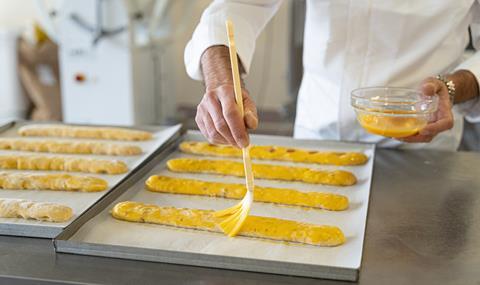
(249, 18)
(471, 109)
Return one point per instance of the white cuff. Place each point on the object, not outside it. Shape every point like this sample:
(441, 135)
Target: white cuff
(471, 108)
(210, 32)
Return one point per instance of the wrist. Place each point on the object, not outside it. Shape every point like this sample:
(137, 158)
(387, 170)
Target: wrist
(466, 85)
(216, 67)
(450, 85)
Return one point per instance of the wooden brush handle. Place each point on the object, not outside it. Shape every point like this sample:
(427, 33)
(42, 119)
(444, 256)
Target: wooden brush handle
(237, 87)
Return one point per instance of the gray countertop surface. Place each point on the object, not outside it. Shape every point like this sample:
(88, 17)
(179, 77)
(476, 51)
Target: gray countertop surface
(423, 227)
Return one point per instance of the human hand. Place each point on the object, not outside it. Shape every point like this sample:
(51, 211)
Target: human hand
(442, 119)
(218, 116)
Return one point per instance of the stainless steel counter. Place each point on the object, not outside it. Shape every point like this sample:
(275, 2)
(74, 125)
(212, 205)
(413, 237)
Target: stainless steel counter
(423, 228)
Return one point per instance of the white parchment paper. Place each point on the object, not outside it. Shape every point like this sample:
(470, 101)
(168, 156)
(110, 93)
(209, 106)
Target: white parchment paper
(103, 229)
(78, 201)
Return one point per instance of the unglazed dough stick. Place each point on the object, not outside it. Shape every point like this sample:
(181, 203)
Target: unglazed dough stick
(276, 153)
(265, 171)
(50, 212)
(44, 130)
(37, 162)
(59, 182)
(325, 201)
(254, 226)
(73, 147)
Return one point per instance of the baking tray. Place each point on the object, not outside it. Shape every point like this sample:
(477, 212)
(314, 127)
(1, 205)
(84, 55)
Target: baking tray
(78, 201)
(104, 236)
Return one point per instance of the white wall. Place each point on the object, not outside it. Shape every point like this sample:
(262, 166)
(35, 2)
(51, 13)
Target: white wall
(16, 13)
(13, 16)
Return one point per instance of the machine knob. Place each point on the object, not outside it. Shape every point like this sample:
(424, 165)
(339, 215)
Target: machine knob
(80, 77)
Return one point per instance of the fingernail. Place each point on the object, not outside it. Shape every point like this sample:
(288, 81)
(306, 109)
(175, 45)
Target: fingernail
(243, 142)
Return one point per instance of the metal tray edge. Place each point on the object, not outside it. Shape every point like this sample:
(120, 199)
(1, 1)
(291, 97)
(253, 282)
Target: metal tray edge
(29, 231)
(202, 260)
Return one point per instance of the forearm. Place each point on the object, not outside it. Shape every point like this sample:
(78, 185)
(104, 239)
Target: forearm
(466, 85)
(216, 67)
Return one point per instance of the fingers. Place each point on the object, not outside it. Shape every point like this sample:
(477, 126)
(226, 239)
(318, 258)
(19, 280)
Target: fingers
(417, 138)
(431, 86)
(213, 134)
(200, 124)
(233, 118)
(431, 130)
(443, 118)
(219, 118)
(443, 124)
(251, 117)
(219, 123)
(207, 127)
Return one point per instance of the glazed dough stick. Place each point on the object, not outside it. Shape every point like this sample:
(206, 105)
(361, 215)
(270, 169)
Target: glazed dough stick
(263, 171)
(327, 201)
(59, 182)
(108, 133)
(50, 212)
(38, 162)
(72, 147)
(279, 153)
(254, 226)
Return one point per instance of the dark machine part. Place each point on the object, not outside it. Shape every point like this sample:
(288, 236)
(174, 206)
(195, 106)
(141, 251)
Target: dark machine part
(471, 131)
(295, 64)
(471, 137)
(98, 30)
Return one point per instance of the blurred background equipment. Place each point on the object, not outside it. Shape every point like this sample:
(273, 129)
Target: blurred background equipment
(13, 103)
(39, 73)
(121, 62)
(107, 59)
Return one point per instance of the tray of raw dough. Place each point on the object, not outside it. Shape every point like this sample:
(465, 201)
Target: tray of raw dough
(50, 174)
(314, 228)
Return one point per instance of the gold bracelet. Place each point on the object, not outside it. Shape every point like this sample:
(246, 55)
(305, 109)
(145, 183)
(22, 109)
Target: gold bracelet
(450, 87)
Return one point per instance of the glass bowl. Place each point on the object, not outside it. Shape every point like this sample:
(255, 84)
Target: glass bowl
(392, 111)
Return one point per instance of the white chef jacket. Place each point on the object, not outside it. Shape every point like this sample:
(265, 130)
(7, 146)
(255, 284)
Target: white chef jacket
(351, 44)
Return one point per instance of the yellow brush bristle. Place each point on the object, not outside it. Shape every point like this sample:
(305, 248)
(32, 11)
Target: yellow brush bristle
(228, 211)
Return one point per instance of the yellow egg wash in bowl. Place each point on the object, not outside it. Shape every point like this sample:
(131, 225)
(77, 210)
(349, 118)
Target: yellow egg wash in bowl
(393, 112)
(391, 126)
